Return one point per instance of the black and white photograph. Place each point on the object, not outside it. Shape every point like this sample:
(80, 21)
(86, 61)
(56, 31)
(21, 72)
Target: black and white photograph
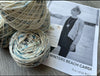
(77, 36)
(71, 32)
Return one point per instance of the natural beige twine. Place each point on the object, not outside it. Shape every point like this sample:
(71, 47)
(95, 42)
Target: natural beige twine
(5, 33)
(29, 49)
(25, 15)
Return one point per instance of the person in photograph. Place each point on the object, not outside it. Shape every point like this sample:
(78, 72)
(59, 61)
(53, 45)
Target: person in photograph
(71, 32)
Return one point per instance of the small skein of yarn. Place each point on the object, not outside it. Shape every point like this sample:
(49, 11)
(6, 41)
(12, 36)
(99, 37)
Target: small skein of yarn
(5, 33)
(29, 49)
(25, 15)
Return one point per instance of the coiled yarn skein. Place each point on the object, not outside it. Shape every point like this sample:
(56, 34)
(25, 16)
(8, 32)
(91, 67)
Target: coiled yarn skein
(25, 15)
(29, 49)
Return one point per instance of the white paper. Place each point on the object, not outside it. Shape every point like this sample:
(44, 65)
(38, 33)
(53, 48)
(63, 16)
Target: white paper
(54, 34)
(84, 60)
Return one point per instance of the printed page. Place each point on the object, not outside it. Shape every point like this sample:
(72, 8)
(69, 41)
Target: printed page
(74, 38)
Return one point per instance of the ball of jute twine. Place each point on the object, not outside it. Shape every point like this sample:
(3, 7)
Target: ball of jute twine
(5, 33)
(29, 49)
(25, 15)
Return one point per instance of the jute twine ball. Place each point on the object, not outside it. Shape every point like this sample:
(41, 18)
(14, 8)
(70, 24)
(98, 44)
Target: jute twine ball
(25, 15)
(29, 49)
(5, 33)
